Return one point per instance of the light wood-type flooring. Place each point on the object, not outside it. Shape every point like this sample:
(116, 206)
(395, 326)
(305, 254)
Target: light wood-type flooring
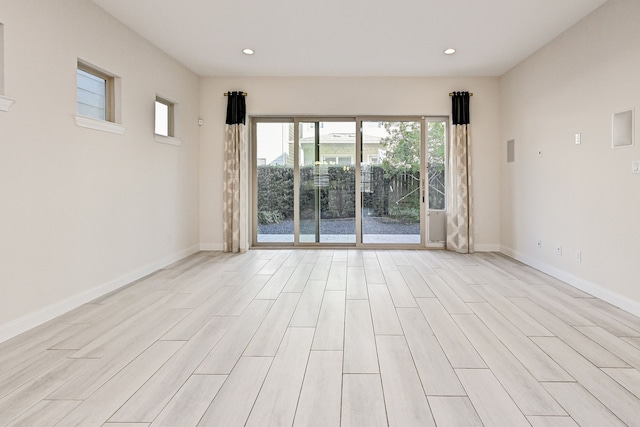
(330, 338)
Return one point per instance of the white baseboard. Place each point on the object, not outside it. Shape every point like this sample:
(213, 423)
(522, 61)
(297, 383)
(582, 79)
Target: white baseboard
(591, 288)
(211, 247)
(486, 247)
(24, 323)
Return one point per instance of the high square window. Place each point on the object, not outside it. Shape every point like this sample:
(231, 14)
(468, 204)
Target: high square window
(95, 94)
(165, 117)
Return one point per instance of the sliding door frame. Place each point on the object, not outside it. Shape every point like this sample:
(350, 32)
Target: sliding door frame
(358, 120)
(296, 176)
(423, 217)
(253, 150)
(447, 126)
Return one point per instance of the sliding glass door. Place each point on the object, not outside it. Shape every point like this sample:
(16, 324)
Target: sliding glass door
(348, 181)
(327, 208)
(391, 185)
(273, 158)
(436, 187)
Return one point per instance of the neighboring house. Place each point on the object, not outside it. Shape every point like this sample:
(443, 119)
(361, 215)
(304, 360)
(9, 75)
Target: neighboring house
(337, 143)
(281, 160)
(340, 149)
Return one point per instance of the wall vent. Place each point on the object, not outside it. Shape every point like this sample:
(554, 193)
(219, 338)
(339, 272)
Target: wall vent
(511, 153)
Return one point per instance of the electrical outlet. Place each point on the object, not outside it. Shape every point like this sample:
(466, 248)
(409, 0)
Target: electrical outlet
(559, 250)
(539, 243)
(579, 255)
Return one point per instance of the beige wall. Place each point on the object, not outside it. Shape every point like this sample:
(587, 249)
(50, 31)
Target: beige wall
(583, 197)
(84, 211)
(349, 97)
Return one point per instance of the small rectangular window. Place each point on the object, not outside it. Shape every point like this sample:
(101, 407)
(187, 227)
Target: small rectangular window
(328, 159)
(165, 111)
(95, 93)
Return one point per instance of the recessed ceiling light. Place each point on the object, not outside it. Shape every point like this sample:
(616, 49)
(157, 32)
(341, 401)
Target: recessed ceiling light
(449, 51)
(248, 51)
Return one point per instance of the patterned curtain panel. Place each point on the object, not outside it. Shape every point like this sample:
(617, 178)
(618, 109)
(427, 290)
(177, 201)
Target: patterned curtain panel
(234, 172)
(460, 202)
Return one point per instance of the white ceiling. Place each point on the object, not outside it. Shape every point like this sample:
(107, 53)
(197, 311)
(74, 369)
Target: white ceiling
(349, 37)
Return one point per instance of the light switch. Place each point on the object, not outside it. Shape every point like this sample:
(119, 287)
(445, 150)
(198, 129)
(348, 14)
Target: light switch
(578, 138)
(635, 166)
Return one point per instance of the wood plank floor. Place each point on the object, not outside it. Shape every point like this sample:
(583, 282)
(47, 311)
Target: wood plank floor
(329, 338)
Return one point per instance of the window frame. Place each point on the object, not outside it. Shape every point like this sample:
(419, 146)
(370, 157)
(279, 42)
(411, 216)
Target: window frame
(113, 86)
(427, 216)
(335, 160)
(172, 121)
(1, 59)
(109, 80)
(171, 107)
(5, 102)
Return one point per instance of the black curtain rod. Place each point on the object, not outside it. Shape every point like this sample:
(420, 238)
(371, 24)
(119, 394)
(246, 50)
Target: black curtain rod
(229, 93)
(451, 94)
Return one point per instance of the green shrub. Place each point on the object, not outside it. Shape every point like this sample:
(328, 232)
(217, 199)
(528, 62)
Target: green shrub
(275, 192)
(383, 196)
(407, 214)
(270, 217)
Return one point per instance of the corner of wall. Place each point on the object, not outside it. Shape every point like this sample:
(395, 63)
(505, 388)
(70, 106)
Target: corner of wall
(594, 289)
(32, 320)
